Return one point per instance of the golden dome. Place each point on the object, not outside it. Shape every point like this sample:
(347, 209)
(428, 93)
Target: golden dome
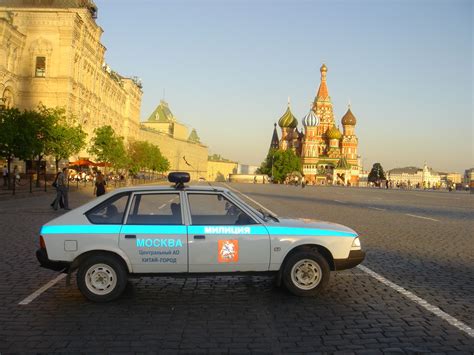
(333, 133)
(323, 68)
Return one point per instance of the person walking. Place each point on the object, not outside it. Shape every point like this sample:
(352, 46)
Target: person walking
(55, 185)
(99, 188)
(61, 189)
(16, 175)
(5, 175)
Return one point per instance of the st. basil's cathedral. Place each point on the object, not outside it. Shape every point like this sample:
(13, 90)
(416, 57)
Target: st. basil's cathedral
(328, 156)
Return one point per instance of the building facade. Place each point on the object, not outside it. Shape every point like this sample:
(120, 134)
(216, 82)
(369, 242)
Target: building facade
(468, 178)
(328, 155)
(51, 53)
(221, 170)
(414, 177)
(184, 150)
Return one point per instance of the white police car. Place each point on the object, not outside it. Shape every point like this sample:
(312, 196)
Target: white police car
(194, 231)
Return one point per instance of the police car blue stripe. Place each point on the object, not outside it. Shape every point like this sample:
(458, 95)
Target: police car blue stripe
(173, 229)
(82, 229)
(309, 232)
(154, 229)
(261, 230)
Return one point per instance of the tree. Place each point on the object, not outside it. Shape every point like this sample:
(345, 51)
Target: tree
(42, 122)
(158, 161)
(108, 147)
(144, 155)
(12, 143)
(24, 135)
(377, 174)
(67, 137)
(280, 163)
(266, 166)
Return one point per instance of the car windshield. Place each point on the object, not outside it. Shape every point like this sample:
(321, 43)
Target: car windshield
(264, 214)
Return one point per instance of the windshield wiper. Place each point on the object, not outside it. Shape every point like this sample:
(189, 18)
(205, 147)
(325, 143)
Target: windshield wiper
(266, 214)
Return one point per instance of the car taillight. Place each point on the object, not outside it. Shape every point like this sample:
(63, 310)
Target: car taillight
(42, 243)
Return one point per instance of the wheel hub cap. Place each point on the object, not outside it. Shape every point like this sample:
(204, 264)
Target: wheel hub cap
(306, 274)
(101, 279)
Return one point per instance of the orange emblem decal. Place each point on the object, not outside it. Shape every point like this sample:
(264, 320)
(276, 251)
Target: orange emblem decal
(228, 251)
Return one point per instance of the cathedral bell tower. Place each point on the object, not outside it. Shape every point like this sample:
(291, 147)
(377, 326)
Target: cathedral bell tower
(349, 139)
(322, 105)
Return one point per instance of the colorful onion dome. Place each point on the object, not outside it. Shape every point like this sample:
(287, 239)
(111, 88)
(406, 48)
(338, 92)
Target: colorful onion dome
(333, 133)
(288, 120)
(310, 120)
(349, 119)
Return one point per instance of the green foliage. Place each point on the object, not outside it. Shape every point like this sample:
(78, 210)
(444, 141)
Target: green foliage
(377, 174)
(34, 133)
(41, 124)
(158, 161)
(266, 166)
(14, 138)
(217, 157)
(279, 164)
(108, 147)
(11, 142)
(144, 155)
(68, 138)
(284, 163)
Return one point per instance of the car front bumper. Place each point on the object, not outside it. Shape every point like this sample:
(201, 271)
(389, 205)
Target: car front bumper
(355, 258)
(42, 256)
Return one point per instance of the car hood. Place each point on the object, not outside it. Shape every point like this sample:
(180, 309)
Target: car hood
(312, 225)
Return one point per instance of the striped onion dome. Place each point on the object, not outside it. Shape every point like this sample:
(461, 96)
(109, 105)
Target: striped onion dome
(288, 120)
(333, 133)
(310, 120)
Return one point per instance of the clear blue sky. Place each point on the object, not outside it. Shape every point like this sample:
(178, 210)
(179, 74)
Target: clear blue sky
(228, 67)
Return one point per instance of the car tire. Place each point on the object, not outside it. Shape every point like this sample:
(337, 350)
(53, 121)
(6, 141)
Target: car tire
(102, 278)
(306, 273)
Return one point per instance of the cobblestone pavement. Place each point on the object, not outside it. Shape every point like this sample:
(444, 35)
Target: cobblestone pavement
(433, 258)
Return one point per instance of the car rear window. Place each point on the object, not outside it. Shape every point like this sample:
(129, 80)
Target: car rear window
(110, 211)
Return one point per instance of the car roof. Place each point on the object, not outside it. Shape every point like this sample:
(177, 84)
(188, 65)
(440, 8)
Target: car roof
(171, 188)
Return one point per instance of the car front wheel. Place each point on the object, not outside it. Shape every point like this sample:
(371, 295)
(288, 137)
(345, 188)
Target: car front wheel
(306, 273)
(101, 278)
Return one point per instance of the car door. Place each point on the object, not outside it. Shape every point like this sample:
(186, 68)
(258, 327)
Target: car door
(154, 236)
(223, 237)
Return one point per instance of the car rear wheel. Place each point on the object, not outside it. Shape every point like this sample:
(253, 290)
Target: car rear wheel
(306, 273)
(101, 278)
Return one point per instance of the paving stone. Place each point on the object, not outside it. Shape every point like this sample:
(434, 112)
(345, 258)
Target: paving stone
(243, 314)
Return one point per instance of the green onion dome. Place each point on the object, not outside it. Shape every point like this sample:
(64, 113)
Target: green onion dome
(348, 119)
(333, 133)
(288, 120)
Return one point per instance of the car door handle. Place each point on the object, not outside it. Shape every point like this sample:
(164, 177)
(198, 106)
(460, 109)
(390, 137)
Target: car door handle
(199, 237)
(130, 236)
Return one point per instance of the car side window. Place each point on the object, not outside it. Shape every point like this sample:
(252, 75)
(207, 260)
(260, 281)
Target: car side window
(110, 211)
(216, 209)
(155, 209)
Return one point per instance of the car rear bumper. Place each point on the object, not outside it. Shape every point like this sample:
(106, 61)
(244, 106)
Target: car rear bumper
(42, 256)
(355, 258)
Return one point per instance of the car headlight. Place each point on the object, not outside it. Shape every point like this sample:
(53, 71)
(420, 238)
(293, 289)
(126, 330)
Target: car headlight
(356, 243)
